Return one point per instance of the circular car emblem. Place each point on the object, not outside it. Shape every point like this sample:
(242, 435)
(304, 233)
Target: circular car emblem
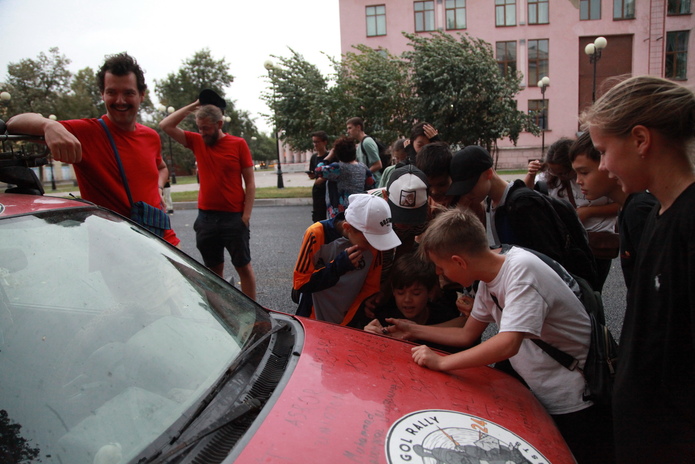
(439, 436)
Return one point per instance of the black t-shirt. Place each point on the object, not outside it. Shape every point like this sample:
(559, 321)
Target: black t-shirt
(313, 162)
(631, 220)
(654, 393)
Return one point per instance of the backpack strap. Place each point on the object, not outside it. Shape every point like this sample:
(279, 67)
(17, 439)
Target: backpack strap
(118, 160)
(567, 361)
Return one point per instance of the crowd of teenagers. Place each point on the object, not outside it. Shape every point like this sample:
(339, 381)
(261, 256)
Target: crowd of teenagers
(437, 246)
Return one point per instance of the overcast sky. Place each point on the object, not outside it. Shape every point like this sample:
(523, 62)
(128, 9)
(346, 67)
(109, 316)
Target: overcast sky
(161, 34)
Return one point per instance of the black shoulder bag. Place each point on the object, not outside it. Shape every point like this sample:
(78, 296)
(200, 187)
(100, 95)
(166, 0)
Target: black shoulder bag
(151, 218)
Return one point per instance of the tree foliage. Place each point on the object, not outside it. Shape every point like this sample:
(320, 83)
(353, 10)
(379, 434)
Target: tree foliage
(199, 72)
(453, 82)
(182, 87)
(378, 89)
(299, 101)
(37, 84)
(83, 100)
(461, 91)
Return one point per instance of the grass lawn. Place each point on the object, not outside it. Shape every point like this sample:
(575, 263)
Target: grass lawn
(267, 192)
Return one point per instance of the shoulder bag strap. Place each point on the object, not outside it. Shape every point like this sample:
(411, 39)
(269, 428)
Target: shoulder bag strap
(565, 360)
(118, 160)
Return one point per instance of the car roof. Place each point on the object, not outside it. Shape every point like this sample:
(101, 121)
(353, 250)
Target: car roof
(12, 204)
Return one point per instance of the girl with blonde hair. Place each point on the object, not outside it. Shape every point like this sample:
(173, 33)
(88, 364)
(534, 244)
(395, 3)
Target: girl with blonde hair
(644, 128)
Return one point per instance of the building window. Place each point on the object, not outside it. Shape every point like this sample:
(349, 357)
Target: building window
(589, 9)
(538, 109)
(678, 7)
(677, 54)
(376, 20)
(538, 11)
(455, 14)
(623, 9)
(505, 12)
(537, 60)
(424, 16)
(506, 57)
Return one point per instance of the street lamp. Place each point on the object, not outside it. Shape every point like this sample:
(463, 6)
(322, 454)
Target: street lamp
(543, 85)
(163, 109)
(52, 117)
(594, 51)
(269, 66)
(4, 97)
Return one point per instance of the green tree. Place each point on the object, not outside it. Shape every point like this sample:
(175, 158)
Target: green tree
(377, 87)
(263, 147)
(38, 84)
(181, 88)
(199, 72)
(83, 100)
(299, 101)
(461, 91)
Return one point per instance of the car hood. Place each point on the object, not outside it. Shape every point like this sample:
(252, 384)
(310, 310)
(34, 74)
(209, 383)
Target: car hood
(359, 397)
(12, 204)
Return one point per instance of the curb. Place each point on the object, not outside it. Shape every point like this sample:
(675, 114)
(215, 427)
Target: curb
(184, 205)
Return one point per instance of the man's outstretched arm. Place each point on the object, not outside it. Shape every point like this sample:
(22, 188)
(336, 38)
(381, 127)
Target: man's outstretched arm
(63, 145)
(170, 124)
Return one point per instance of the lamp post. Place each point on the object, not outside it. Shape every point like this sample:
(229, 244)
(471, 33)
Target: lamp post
(52, 117)
(594, 51)
(269, 66)
(164, 110)
(4, 98)
(543, 85)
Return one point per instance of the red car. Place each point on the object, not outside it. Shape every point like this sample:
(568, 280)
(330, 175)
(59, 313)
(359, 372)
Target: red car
(116, 347)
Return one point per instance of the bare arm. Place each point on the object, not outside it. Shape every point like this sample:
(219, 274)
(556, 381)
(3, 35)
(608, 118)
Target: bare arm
(170, 124)
(587, 212)
(250, 183)
(454, 335)
(163, 174)
(502, 346)
(375, 167)
(63, 145)
(533, 168)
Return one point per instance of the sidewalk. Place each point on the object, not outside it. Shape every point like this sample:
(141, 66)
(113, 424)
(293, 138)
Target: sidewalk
(294, 177)
(263, 179)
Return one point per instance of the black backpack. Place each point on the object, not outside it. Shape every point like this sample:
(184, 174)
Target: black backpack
(550, 226)
(384, 156)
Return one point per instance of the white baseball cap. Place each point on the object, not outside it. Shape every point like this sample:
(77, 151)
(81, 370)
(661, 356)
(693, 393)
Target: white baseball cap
(372, 216)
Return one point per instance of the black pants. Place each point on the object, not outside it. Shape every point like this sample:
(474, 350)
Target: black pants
(589, 434)
(318, 197)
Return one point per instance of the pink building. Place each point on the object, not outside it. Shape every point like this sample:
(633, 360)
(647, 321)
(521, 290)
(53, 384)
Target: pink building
(541, 38)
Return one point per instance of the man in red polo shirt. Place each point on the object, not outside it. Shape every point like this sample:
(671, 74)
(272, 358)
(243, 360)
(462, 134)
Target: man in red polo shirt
(84, 143)
(224, 206)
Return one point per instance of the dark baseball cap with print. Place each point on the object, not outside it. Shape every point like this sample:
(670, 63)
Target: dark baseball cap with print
(466, 167)
(407, 195)
(210, 97)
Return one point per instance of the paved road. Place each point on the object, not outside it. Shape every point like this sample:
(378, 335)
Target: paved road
(276, 233)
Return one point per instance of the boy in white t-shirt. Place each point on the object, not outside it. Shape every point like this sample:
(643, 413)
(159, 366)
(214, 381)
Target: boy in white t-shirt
(532, 301)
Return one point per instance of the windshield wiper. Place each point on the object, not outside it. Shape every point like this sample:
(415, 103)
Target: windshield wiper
(248, 405)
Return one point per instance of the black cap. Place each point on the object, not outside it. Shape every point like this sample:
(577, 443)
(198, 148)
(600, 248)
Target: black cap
(210, 97)
(466, 167)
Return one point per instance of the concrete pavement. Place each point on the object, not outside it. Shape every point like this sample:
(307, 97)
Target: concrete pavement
(293, 175)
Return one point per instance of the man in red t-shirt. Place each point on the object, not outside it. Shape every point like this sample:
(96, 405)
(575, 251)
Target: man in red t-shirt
(84, 143)
(224, 207)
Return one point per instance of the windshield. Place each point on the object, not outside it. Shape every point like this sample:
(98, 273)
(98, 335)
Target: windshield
(107, 336)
